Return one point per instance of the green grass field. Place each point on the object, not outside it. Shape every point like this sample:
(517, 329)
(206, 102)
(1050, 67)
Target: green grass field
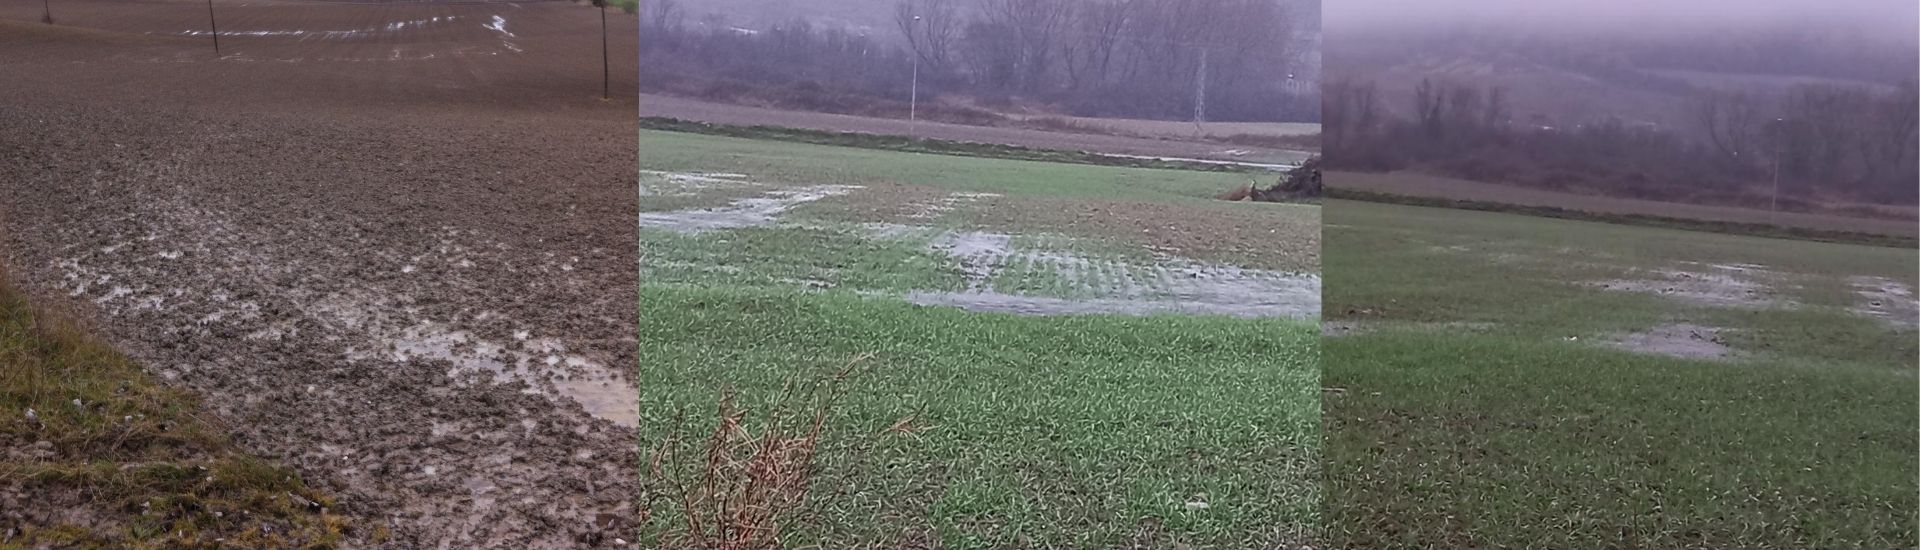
(783, 161)
(1474, 400)
(1084, 431)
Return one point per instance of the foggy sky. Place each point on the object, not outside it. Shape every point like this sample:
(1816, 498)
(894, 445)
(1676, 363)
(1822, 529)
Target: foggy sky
(1897, 20)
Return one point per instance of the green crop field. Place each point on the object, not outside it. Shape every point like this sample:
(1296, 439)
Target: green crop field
(766, 262)
(1502, 381)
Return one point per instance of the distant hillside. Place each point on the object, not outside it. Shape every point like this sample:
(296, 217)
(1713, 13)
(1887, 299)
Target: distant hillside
(1572, 79)
(1820, 114)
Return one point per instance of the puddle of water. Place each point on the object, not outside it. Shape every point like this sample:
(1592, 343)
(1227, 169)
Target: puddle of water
(685, 183)
(748, 212)
(1176, 286)
(931, 210)
(980, 254)
(1303, 302)
(1887, 300)
(592, 385)
(396, 26)
(610, 399)
(1723, 286)
(499, 25)
(1677, 340)
(1350, 328)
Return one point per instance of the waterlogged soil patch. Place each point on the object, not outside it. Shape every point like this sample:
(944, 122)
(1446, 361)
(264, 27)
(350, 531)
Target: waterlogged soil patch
(1002, 277)
(1688, 341)
(892, 203)
(931, 210)
(361, 33)
(1293, 304)
(1259, 235)
(1718, 285)
(795, 256)
(402, 316)
(1888, 300)
(655, 183)
(1076, 284)
(543, 364)
(1353, 328)
(747, 212)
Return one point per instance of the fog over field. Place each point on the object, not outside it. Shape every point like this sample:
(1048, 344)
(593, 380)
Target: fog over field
(1879, 19)
(1682, 101)
(1861, 40)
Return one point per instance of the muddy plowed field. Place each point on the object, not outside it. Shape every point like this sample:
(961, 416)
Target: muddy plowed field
(391, 245)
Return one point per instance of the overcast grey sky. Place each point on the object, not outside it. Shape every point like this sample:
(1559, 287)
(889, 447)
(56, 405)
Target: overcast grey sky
(1894, 19)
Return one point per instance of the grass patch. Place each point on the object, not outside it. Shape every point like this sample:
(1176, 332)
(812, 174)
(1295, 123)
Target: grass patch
(795, 163)
(795, 256)
(1078, 431)
(1512, 435)
(109, 458)
(906, 144)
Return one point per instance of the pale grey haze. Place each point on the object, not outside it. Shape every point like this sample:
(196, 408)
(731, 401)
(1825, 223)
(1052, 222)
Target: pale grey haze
(1885, 19)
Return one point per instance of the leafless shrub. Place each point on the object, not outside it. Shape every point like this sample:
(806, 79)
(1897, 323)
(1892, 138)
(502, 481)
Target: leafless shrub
(744, 482)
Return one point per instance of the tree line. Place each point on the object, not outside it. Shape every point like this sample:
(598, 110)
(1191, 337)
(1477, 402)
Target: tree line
(1820, 142)
(1233, 60)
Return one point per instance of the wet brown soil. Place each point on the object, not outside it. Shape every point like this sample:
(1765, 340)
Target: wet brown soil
(411, 280)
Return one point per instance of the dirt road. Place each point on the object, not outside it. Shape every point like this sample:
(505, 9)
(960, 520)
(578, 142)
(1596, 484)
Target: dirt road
(411, 278)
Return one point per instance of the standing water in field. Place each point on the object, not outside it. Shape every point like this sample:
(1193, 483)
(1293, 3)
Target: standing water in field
(1001, 277)
(1103, 286)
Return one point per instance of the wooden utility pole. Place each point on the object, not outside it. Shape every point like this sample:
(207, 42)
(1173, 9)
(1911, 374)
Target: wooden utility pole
(216, 29)
(1779, 136)
(606, 66)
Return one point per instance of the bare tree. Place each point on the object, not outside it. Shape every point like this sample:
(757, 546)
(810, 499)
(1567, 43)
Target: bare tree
(1088, 53)
(1349, 113)
(1890, 144)
(1429, 107)
(1495, 116)
(1730, 121)
(1035, 26)
(666, 18)
(931, 27)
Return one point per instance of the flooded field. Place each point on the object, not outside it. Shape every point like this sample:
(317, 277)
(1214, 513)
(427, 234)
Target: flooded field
(1519, 355)
(999, 276)
(1013, 316)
